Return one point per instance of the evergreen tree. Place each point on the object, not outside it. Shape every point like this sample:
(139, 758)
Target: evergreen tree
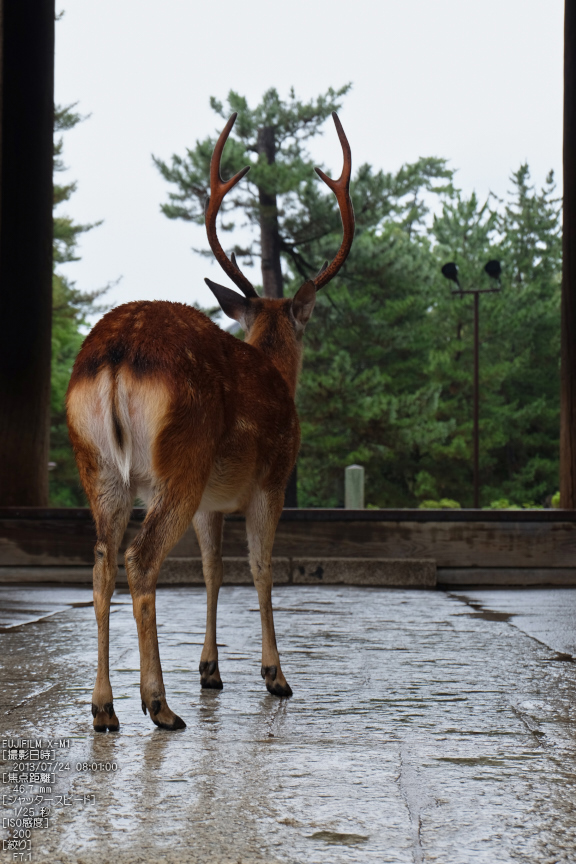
(526, 338)
(363, 395)
(519, 348)
(387, 375)
(271, 138)
(354, 401)
(463, 234)
(69, 310)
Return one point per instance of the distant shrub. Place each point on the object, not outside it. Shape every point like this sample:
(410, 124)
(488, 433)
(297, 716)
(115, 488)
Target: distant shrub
(442, 504)
(505, 504)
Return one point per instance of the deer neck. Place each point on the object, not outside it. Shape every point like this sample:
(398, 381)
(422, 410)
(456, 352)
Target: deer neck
(285, 354)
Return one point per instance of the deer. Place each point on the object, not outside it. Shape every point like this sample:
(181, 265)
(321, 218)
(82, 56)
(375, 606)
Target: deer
(166, 406)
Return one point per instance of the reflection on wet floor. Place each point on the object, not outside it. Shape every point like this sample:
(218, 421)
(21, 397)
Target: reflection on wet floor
(423, 727)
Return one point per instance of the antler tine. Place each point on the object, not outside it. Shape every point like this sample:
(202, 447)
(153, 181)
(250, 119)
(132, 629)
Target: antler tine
(341, 189)
(218, 189)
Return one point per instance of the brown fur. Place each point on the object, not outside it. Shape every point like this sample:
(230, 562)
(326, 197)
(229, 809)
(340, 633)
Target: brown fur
(164, 404)
(232, 398)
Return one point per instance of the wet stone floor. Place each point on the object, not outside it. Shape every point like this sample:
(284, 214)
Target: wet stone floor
(424, 727)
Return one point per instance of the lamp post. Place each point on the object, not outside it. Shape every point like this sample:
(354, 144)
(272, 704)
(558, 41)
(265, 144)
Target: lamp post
(450, 271)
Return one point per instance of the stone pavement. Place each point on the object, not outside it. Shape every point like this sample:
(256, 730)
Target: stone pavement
(424, 727)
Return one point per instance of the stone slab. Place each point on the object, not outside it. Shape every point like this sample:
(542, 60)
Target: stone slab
(51, 575)
(462, 577)
(390, 573)
(188, 571)
(319, 571)
(387, 572)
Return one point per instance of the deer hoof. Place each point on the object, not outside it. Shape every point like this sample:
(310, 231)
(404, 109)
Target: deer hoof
(104, 718)
(276, 684)
(283, 691)
(162, 716)
(210, 675)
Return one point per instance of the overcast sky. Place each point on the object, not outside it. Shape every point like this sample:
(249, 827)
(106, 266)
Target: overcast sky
(479, 83)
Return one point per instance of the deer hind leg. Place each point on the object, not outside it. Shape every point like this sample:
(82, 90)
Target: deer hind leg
(208, 527)
(167, 519)
(111, 509)
(261, 520)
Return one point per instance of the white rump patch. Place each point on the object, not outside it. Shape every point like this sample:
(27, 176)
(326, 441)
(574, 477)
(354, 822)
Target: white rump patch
(140, 409)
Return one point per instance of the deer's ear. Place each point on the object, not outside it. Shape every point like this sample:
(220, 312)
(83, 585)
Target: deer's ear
(231, 303)
(303, 303)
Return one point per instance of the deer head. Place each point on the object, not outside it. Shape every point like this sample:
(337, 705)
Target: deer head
(271, 324)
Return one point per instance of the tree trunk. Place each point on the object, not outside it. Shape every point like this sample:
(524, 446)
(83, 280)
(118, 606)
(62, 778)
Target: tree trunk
(27, 110)
(269, 234)
(568, 326)
(271, 266)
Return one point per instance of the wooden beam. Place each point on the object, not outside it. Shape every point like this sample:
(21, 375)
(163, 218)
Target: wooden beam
(27, 118)
(568, 326)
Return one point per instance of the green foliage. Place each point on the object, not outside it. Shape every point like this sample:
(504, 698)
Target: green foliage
(291, 177)
(387, 377)
(519, 344)
(69, 310)
(387, 374)
(363, 397)
(505, 504)
(443, 504)
(502, 504)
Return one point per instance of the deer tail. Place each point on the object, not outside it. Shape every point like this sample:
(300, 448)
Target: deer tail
(120, 438)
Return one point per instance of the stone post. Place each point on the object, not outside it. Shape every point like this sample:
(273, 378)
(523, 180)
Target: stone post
(354, 487)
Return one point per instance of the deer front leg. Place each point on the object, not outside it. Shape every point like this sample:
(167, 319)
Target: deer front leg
(208, 527)
(261, 520)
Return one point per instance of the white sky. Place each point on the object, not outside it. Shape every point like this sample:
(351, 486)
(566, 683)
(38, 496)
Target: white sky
(478, 82)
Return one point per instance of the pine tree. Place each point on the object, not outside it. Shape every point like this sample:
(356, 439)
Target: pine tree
(462, 233)
(70, 307)
(527, 333)
(387, 375)
(271, 138)
(519, 348)
(363, 396)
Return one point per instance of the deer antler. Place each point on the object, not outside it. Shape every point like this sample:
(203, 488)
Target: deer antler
(218, 189)
(341, 189)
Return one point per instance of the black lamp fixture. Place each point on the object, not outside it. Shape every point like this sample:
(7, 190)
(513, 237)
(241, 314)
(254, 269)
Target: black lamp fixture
(450, 271)
(493, 269)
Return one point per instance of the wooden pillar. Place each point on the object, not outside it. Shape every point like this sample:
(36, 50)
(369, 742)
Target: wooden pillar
(568, 326)
(27, 116)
